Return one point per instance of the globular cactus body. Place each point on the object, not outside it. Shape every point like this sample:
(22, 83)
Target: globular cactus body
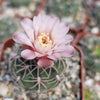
(34, 78)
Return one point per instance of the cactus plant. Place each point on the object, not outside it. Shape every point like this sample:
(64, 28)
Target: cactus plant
(39, 64)
(34, 78)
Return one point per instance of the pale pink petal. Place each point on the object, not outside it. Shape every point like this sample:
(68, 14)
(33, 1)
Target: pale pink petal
(37, 23)
(58, 41)
(45, 62)
(68, 52)
(66, 27)
(28, 54)
(44, 23)
(63, 28)
(28, 27)
(42, 54)
(40, 24)
(48, 23)
(69, 38)
(65, 40)
(59, 31)
(39, 54)
(55, 56)
(43, 26)
(55, 29)
(63, 50)
(60, 48)
(21, 38)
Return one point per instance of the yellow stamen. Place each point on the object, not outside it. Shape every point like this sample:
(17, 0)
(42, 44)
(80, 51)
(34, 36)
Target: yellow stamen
(44, 40)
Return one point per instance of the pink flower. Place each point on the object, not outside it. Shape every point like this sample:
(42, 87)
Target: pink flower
(45, 38)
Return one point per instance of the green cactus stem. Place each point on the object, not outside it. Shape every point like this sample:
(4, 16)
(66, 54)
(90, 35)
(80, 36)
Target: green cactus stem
(34, 78)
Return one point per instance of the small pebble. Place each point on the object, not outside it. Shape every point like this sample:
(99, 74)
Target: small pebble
(32, 7)
(58, 92)
(68, 85)
(74, 90)
(89, 83)
(98, 3)
(68, 19)
(95, 30)
(7, 77)
(4, 65)
(72, 96)
(9, 12)
(3, 89)
(8, 99)
(97, 77)
(49, 93)
(68, 98)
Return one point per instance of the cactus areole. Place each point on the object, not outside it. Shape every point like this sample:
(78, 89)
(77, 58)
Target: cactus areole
(40, 63)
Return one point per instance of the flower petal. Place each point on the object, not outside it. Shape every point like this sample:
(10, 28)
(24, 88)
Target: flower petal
(48, 23)
(44, 23)
(21, 38)
(37, 23)
(59, 48)
(66, 40)
(28, 54)
(55, 56)
(68, 52)
(45, 62)
(69, 38)
(63, 50)
(59, 31)
(28, 27)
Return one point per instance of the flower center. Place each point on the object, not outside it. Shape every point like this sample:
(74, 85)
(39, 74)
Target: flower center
(44, 40)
